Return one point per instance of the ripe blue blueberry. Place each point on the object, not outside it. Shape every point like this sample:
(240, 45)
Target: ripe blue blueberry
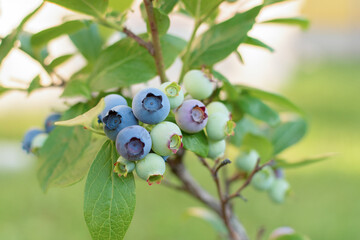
(151, 168)
(191, 116)
(111, 100)
(216, 149)
(166, 138)
(29, 137)
(118, 118)
(263, 179)
(247, 161)
(219, 126)
(151, 106)
(123, 166)
(133, 143)
(198, 85)
(174, 93)
(50, 120)
(278, 190)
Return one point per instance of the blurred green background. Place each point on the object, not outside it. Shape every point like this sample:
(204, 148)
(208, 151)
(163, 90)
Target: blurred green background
(323, 205)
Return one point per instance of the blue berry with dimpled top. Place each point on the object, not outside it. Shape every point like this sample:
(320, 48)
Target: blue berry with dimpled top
(133, 143)
(111, 100)
(118, 118)
(151, 106)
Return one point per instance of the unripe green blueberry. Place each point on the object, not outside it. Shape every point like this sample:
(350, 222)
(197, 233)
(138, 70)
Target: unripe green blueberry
(166, 138)
(219, 126)
(174, 93)
(198, 85)
(123, 166)
(217, 107)
(278, 190)
(216, 149)
(38, 142)
(263, 179)
(247, 161)
(151, 168)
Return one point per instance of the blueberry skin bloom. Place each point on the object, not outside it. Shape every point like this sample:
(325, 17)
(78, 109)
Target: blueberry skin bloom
(111, 100)
(50, 120)
(198, 85)
(279, 190)
(191, 116)
(118, 118)
(29, 137)
(151, 106)
(263, 179)
(151, 168)
(174, 93)
(133, 143)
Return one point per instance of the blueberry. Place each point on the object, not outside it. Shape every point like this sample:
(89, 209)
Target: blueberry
(38, 141)
(166, 138)
(247, 161)
(219, 126)
(123, 166)
(191, 116)
(216, 149)
(263, 179)
(50, 120)
(278, 190)
(217, 107)
(29, 137)
(133, 143)
(151, 106)
(174, 93)
(151, 168)
(111, 100)
(118, 118)
(198, 85)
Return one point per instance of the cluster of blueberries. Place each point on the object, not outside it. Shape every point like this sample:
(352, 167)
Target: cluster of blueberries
(145, 139)
(35, 137)
(267, 179)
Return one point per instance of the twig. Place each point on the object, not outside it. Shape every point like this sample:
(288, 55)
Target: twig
(172, 185)
(155, 41)
(139, 40)
(248, 180)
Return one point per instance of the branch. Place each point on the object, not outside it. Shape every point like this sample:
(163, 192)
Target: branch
(147, 45)
(248, 180)
(155, 41)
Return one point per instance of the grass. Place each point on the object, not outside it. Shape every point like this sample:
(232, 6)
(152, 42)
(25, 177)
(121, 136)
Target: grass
(323, 204)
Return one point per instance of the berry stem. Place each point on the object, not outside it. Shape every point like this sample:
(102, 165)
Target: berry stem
(155, 41)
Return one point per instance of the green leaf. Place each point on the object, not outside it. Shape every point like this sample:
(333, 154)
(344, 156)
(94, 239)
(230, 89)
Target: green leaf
(196, 143)
(59, 60)
(261, 144)
(270, 2)
(88, 41)
(232, 93)
(288, 134)
(199, 8)
(299, 21)
(272, 97)
(76, 88)
(162, 21)
(91, 7)
(7, 43)
(120, 5)
(109, 201)
(119, 65)
(35, 84)
(167, 5)
(43, 37)
(294, 236)
(244, 126)
(210, 217)
(259, 110)
(3, 90)
(222, 39)
(281, 163)
(257, 43)
(85, 119)
(64, 146)
(80, 166)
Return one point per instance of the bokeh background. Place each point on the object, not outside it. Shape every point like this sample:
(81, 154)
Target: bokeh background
(319, 70)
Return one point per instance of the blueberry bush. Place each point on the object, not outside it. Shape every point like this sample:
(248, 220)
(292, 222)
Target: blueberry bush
(109, 135)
